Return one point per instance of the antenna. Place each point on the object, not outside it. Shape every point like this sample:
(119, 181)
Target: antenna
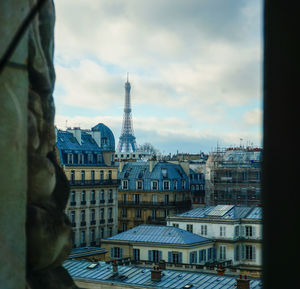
(127, 76)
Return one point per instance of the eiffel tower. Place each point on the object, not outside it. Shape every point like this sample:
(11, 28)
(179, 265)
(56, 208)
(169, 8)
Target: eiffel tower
(127, 143)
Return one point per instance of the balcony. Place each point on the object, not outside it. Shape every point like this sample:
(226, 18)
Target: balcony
(93, 183)
(110, 200)
(73, 224)
(110, 220)
(181, 204)
(83, 202)
(102, 201)
(102, 221)
(93, 202)
(83, 224)
(159, 221)
(93, 222)
(72, 203)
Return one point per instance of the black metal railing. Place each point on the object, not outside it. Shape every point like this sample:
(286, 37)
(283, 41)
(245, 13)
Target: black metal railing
(107, 182)
(155, 204)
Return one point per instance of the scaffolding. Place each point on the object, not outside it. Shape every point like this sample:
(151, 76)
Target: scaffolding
(234, 176)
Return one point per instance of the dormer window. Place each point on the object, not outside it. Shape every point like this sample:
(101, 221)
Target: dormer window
(154, 185)
(104, 141)
(90, 158)
(175, 185)
(99, 159)
(164, 172)
(183, 184)
(124, 184)
(80, 158)
(166, 185)
(70, 159)
(139, 185)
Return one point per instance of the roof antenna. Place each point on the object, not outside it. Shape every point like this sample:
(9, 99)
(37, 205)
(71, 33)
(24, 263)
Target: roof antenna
(127, 76)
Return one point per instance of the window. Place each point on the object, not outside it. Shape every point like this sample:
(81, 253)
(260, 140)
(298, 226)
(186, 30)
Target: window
(82, 237)
(166, 213)
(202, 256)
(93, 214)
(222, 252)
(93, 196)
(101, 175)
(189, 228)
(72, 176)
(204, 230)
(124, 212)
(102, 196)
(124, 198)
(124, 227)
(109, 174)
(116, 252)
(250, 252)
(110, 231)
(93, 236)
(166, 185)
(193, 257)
(154, 185)
(73, 197)
(175, 197)
(82, 175)
(99, 158)
(102, 214)
(109, 213)
(70, 159)
(136, 198)
(175, 225)
(124, 184)
(80, 158)
(154, 198)
(101, 233)
(139, 185)
(175, 185)
(82, 216)
(138, 213)
(222, 231)
(237, 231)
(110, 195)
(174, 257)
(72, 217)
(90, 158)
(166, 199)
(136, 254)
(154, 255)
(183, 184)
(164, 173)
(93, 175)
(83, 197)
(237, 253)
(249, 231)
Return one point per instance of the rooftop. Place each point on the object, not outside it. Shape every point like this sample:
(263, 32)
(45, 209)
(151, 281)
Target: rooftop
(159, 234)
(224, 212)
(86, 251)
(139, 276)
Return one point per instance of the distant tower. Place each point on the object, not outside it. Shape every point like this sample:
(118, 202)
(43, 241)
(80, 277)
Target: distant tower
(127, 143)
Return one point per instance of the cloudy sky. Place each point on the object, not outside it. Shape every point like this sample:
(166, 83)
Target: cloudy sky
(195, 67)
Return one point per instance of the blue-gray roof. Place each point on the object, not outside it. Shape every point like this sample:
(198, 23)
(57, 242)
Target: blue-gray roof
(86, 251)
(139, 276)
(106, 133)
(133, 171)
(159, 234)
(225, 212)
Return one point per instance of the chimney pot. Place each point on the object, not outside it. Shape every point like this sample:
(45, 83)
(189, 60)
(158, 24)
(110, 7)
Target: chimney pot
(155, 274)
(242, 283)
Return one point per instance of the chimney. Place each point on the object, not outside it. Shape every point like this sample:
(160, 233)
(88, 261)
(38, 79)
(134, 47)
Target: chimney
(152, 163)
(220, 271)
(121, 165)
(242, 283)
(155, 274)
(76, 131)
(115, 266)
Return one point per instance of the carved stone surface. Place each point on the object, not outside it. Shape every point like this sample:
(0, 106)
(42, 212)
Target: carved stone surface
(30, 174)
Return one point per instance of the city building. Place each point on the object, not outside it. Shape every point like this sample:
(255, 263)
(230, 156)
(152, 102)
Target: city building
(103, 275)
(233, 176)
(197, 187)
(150, 191)
(87, 159)
(154, 243)
(237, 231)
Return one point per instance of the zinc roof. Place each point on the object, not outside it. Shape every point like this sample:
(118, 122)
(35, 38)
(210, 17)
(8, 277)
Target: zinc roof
(225, 212)
(139, 276)
(159, 234)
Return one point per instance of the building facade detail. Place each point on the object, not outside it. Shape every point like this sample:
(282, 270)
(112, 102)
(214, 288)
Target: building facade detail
(87, 159)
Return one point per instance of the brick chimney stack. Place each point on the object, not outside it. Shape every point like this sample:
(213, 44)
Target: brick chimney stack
(220, 271)
(115, 266)
(242, 283)
(155, 274)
